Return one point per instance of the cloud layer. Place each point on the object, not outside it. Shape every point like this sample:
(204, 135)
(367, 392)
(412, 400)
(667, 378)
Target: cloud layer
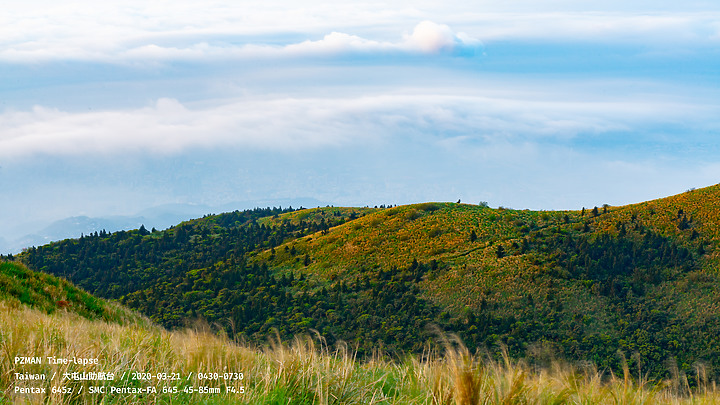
(284, 124)
(108, 44)
(140, 32)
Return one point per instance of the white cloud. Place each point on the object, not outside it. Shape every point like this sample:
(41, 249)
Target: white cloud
(427, 38)
(649, 29)
(291, 124)
(337, 42)
(166, 127)
(430, 37)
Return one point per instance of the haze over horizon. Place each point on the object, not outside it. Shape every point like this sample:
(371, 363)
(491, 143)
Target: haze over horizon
(111, 108)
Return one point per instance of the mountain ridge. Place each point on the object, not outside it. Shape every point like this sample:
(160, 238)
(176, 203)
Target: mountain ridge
(160, 217)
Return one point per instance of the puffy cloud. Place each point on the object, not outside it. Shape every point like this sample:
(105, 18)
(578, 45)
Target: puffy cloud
(430, 37)
(427, 37)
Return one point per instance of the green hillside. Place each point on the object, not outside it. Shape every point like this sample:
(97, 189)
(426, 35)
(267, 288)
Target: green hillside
(304, 372)
(49, 294)
(362, 297)
(581, 285)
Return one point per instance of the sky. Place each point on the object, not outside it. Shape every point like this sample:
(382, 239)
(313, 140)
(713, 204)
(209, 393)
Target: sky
(108, 108)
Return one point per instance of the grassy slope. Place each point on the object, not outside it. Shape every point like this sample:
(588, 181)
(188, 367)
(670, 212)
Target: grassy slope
(396, 236)
(531, 281)
(304, 373)
(50, 294)
(441, 231)
(327, 214)
(701, 209)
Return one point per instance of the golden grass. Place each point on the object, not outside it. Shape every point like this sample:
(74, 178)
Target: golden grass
(305, 372)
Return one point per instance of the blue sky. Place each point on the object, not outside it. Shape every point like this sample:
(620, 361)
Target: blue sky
(112, 108)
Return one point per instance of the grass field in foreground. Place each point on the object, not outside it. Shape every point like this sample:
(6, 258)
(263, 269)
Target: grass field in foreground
(302, 373)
